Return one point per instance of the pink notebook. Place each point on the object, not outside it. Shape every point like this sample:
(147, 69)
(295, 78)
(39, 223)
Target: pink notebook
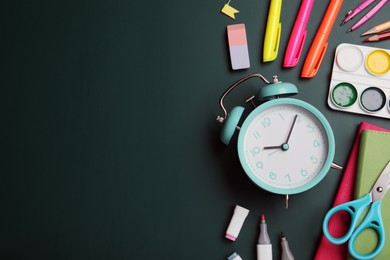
(338, 225)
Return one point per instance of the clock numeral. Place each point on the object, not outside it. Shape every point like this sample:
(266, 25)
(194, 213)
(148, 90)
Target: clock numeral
(310, 129)
(259, 165)
(316, 143)
(266, 122)
(314, 159)
(272, 175)
(304, 172)
(288, 177)
(256, 135)
(255, 150)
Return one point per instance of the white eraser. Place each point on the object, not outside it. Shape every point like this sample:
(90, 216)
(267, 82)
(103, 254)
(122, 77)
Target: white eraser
(238, 218)
(234, 256)
(238, 47)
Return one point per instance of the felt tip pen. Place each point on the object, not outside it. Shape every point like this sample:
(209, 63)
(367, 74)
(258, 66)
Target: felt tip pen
(286, 252)
(264, 246)
(298, 35)
(272, 31)
(320, 43)
(351, 14)
(369, 15)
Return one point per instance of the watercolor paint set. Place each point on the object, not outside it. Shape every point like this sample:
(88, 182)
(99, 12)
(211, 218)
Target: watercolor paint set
(360, 81)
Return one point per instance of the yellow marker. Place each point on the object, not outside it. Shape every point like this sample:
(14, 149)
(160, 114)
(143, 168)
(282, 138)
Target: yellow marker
(272, 32)
(229, 11)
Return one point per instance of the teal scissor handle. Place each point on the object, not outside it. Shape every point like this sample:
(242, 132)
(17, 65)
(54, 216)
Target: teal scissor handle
(373, 220)
(355, 208)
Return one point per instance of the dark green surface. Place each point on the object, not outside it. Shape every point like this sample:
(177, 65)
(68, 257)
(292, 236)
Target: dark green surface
(110, 149)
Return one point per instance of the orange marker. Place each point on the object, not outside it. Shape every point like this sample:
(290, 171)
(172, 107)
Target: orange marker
(320, 43)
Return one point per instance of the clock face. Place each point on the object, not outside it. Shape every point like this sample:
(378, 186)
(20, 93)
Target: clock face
(286, 146)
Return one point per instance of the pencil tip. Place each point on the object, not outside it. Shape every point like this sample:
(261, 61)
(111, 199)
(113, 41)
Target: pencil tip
(342, 23)
(350, 30)
(366, 40)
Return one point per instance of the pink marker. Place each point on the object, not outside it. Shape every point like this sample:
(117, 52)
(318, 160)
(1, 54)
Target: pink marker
(238, 46)
(298, 35)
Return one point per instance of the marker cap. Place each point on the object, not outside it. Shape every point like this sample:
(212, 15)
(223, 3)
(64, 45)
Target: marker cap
(238, 218)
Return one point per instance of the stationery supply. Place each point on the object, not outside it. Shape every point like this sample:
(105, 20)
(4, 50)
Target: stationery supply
(351, 14)
(360, 81)
(369, 15)
(284, 130)
(264, 245)
(356, 209)
(286, 252)
(298, 34)
(238, 47)
(272, 32)
(374, 154)
(320, 42)
(377, 29)
(238, 218)
(229, 11)
(378, 37)
(234, 256)
(338, 225)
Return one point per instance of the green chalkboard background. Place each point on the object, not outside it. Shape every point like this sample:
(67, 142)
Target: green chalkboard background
(109, 144)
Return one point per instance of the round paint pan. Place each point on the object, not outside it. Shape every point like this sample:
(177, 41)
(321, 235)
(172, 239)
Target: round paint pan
(378, 62)
(388, 105)
(344, 95)
(372, 99)
(349, 58)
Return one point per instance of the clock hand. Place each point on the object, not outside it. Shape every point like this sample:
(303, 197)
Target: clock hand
(283, 146)
(273, 147)
(291, 129)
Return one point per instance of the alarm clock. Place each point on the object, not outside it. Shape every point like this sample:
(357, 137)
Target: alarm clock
(285, 145)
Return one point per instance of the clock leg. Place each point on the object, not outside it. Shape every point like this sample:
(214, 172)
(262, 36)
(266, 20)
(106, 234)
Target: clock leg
(336, 166)
(286, 198)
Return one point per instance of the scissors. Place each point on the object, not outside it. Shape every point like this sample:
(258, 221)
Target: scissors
(373, 219)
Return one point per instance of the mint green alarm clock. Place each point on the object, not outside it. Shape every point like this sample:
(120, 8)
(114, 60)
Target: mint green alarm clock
(285, 145)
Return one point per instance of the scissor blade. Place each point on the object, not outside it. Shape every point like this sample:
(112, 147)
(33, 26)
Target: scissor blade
(382, 184)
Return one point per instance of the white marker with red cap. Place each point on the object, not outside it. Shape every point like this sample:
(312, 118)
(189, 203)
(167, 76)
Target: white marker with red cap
(264, 246)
